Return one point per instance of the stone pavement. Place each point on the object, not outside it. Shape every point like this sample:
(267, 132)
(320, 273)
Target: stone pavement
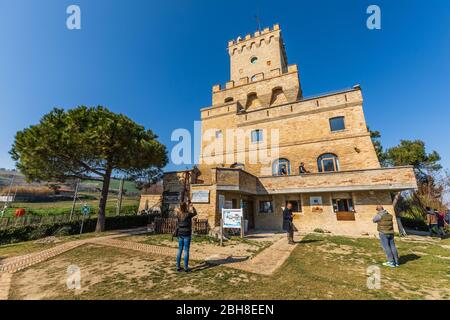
(5, 284)
(265, 263)
(269, 260)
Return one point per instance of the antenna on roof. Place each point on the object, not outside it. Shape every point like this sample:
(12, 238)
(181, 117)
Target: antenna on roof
(258, 23)
(257, 18)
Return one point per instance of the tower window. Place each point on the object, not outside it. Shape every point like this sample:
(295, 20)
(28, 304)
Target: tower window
(253, 60)
(281, 167)
(257, 136)
(328, 163)
(337, 124)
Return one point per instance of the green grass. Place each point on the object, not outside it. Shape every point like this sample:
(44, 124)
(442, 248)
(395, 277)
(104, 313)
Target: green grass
(320, 267)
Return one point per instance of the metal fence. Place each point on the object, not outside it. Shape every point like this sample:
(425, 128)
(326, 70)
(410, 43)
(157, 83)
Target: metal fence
(11, 222)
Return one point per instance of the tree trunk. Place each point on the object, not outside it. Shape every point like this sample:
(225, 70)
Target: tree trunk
(102, 206)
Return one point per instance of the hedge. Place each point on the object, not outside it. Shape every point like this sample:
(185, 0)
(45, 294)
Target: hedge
(416, 224)
(27, 233)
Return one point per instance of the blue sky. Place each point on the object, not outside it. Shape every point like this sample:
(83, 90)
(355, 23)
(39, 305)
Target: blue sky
(157, 61)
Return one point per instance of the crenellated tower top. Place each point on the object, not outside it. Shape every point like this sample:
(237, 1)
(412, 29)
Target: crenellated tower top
(257, 55)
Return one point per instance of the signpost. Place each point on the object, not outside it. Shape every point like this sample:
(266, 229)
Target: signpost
(75, 196)
(171, 198)
(200, 196)
(85, 211)
(231, 219)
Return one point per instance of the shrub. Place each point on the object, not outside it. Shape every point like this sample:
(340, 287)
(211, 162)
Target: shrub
(318, 230)
(413, 223)
(27, 233)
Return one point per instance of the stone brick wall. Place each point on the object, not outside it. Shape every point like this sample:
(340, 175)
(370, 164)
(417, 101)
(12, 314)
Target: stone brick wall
(238, 91)
(364, 202)
(207, 210)
(399, 178)
(304, 134)
(266, 46)
(153, 202)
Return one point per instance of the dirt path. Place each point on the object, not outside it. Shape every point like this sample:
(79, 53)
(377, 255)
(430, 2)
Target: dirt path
(5, 284)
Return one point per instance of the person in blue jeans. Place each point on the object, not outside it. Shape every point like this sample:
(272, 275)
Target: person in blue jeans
(185, 214)
(385, 228)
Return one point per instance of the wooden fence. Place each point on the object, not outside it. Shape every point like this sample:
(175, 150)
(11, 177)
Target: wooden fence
(168, 225)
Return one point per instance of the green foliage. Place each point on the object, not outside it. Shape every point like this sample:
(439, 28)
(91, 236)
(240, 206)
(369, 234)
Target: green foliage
(416, 224)
(27, 233)
(83, 142)
(86, 143)
(412, 152)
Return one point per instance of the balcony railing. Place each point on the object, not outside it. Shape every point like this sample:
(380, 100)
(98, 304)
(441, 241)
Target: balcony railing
(394, 179)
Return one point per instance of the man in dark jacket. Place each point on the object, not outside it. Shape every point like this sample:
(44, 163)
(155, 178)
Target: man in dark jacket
(385, 228)
(287, 217)
(432, 221)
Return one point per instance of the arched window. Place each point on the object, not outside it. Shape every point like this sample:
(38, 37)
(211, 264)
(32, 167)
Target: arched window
(237, 165)
(252, 100)
(328, 162)
(278, 96)
(253, 78)
(281, 167)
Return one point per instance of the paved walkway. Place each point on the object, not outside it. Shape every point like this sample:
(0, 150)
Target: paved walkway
(5, 284)
(269, 260)
(265, 263)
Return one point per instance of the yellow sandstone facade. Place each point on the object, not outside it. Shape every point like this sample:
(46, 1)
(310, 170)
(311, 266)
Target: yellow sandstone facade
(262, 111)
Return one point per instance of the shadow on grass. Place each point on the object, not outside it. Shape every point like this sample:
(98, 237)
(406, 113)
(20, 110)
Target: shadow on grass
(308, 241)
(408, 257)
(251, 237)
(202, 266)
(217, 262)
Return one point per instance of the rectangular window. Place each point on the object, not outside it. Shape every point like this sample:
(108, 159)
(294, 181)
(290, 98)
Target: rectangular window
(337, 124)
(265, 207)
(296, 205)
(343, 205)
(257, 136)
